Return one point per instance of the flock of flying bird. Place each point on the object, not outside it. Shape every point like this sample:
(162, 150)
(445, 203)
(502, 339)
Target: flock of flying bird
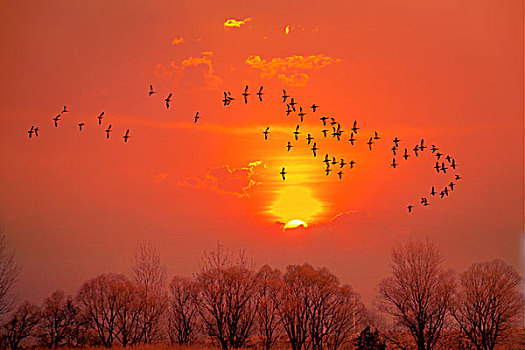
(337, 132)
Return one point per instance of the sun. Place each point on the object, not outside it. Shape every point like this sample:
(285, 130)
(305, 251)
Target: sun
(296, 202)
(294, 224)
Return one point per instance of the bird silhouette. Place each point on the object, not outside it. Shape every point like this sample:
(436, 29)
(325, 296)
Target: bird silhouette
(351, 163)
(289, 146)
(36, 131)
(457, 177)
(326, 160)
(301, 114)
(422, 146)
(394, 164)
(80, 125)
(406, 155)
(296, 133)
(342, 164)
(100, 118)
(282, 171)
(292, 104)
(394, 148)
(168, 100)
(416, 149)
(266, 132)
(196, 117)
(434, 148)
(433, 192)
(340, 173)
(451, 185)
(327, 170)
(323, 119)
(226, 101)
(376, 137)
(314, 107)
(151, 92)
(31, 131)
(437, 167)
(410, 208)
(443, 167)
(284, 96)
(453, 164)
(288, 110)
(354, 127)
(352, 139)
(126, 136)
(314, 149)
(108, 130)
(245, 94)
(64, 110)
(309, 138)
(260, 93)
(396, 141)
(334, 161)
(56, 119)
(370, 143)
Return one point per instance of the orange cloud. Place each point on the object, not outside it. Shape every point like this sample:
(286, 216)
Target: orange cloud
(177, 41)
(232, 23)
(292, 69)
(191, 73)
(225, 180)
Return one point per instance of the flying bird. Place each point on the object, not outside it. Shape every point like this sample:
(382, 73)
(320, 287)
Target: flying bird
(421, 146)
(301, 114)
(284, 96)
(453, 164)
(100, 118)
(443, 167)
(323, 119)
(31, 131)
(343, 163)
(376, 137)
(289, 146)
(326, 160)
(296, 132)
(433, 192)
(108, 130)
(56, 119)
(196, 117)
(437, 167)
(370, 143)
(327, 170)
(416, 149)
(434, 148)
(410, 208)
(406, 155)
(292, 104)
(394, 164)
(36, 131)
(64, 110)
(438, 155)
(334, 162)
(282, 171)
(354, 127)
(352, 139)
(288, 110)
(126, 136)
(266, 132)
(151, 92)
(80, 125)
(451, 185)
(168, 100)
(340, 173)
(457, 177)
(314, 107)
(226, 100)
(314, 148)
(309, 138)
(260, 93)
(396, 141)
(394, 148)
(351, 163)
(245, 94)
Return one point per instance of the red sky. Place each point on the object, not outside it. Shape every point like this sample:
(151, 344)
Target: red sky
(74, 204)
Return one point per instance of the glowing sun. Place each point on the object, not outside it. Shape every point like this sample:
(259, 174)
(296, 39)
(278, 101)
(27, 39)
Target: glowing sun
(294, 224)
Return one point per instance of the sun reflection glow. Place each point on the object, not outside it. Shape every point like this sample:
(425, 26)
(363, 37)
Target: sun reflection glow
(296, 203)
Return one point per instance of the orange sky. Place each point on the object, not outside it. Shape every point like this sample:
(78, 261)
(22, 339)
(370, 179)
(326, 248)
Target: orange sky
(75, 204)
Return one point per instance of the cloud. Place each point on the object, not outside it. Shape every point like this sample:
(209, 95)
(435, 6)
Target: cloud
(225, 180)
(232, 23)
(177, 41)
(191, 73)
(292, 69)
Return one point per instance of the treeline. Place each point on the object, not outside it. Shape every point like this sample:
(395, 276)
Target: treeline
(235, 305)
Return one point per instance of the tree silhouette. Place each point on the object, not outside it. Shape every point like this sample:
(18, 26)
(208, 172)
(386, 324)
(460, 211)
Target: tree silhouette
(269, 294)
(368, 340)
(418, 293)
(182, 311)
(21, 324)
(57, 319)
(488, 303)
(9, 271)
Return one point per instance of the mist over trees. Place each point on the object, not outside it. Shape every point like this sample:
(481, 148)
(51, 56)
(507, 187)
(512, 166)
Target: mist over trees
(230, 304)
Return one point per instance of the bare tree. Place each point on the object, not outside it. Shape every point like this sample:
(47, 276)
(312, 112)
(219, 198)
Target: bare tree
(21, 324)
(225, 298)
(128, 312)
(418, 293)
(269, 293)
(57, 319)
(9, 271)
(182, 311)
(100, 302)
(150, 276)
(488, 303)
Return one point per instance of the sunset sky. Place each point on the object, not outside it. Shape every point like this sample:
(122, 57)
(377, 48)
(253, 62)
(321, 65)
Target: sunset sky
(75, 204)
